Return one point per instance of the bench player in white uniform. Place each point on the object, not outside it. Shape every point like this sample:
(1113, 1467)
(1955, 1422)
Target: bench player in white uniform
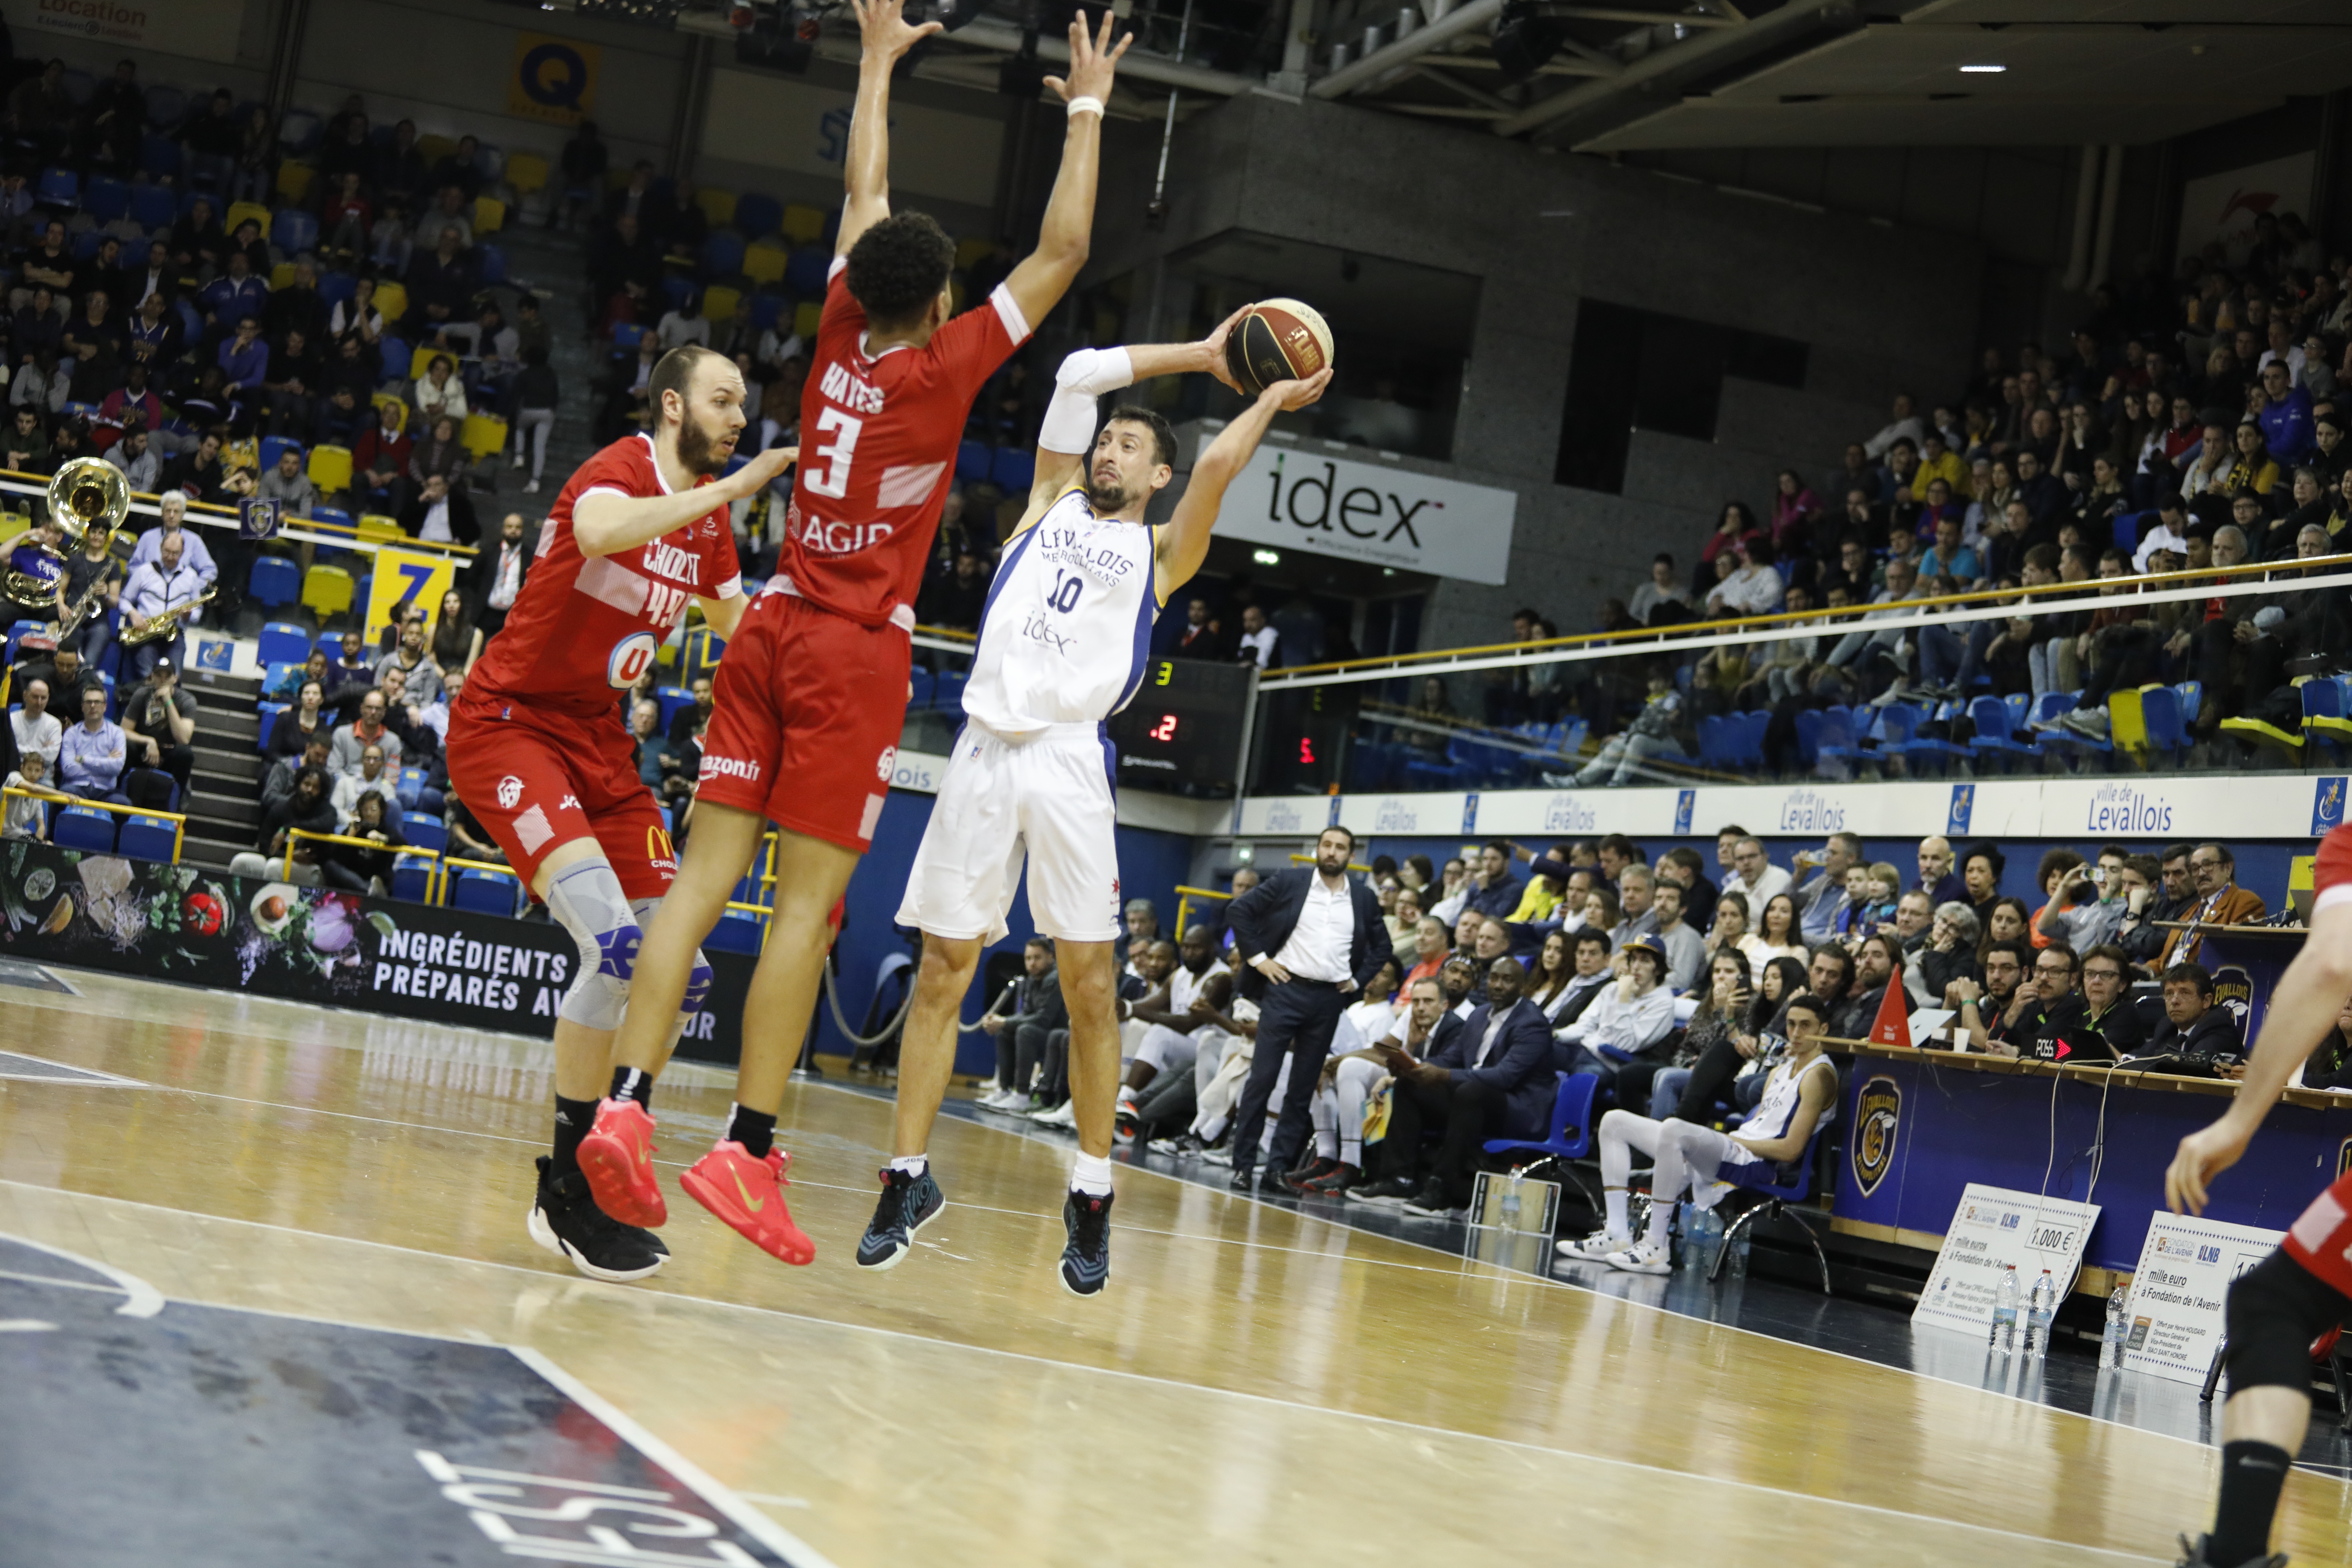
(1062, 642)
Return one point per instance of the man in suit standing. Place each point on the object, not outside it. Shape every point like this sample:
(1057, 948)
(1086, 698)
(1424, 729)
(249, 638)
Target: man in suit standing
(1314, 939)
(1491, 1078)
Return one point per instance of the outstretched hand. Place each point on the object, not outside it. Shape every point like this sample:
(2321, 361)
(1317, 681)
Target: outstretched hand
(883, 25)
(1295, 396)
(2202, 1156)
(1213, 345)
(764, 468)
(1093, 61)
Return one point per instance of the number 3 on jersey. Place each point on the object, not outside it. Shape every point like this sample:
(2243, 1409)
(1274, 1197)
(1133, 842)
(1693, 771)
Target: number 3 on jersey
(829, 477)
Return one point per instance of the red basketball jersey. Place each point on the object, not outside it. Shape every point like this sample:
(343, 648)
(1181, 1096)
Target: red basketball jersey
(879, 439)
(585, 627)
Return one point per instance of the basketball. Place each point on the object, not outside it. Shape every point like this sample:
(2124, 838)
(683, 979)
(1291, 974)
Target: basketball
(1277, 340)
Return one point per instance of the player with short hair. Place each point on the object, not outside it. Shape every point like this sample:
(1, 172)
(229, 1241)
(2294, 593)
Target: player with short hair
(1062, 648)
(811, 694)
(639, 534)
(2283, 1306)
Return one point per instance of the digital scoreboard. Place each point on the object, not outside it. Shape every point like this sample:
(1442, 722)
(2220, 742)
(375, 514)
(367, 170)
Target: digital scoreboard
(1183, 733)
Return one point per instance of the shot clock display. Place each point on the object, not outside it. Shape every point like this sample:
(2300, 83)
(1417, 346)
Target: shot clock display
(1183, 733)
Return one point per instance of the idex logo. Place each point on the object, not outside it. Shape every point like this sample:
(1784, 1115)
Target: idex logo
(1879, 1113)
(1361, 513)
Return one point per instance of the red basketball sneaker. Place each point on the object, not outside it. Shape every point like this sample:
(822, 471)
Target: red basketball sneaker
(617, 1158)
(748, 1194)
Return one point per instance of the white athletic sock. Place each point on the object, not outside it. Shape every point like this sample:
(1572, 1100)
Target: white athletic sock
(1614, 1199)
(913, 1165)
(1090, 1174)
(1661, 1214)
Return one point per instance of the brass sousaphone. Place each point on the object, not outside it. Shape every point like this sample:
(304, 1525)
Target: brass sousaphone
(87, 493)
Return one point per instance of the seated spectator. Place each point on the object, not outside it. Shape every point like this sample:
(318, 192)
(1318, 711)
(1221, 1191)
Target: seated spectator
(352, 741)
(1728, 1006)
(441, 512)
(2097, 1024)
(2194, 1030)
(292, 731)
(423, 676)
(439, 394)
(1194, 984)
(167, 584)
(380, 462)
(1724, 1072)
(2329, 1066)
(469, 840)
(375, 817)
(2000, 1014)
(1571, 970)
(372, 778)
(2220, 903)
(1019, 1021)
(1776, 934)
(682, 325)
(660, 764)
(1490, 1079)
(1688, 1159)
(404, 721)
(171, 523)
(141, 466)
(38, 732)
(2087, 907)
(1258, 642)
(1754, 876)
(288, 484)
(1627, 1019)
(159, 721)
(285, 684)
(1417, 1029)
(694, 715)
(1821, 896)
(1980, 870)
(2137, 932)
(1878, 961)
(1686, 949)
(92, 753)
(1660, 589)
(1748, 586)
(1949, 954)
(28, 814)
(282, 858)
(1620, 761)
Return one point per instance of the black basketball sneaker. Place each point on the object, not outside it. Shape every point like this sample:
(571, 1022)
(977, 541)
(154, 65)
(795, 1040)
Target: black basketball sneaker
(1086, 1260)
(565, 1220)
(908, 1203)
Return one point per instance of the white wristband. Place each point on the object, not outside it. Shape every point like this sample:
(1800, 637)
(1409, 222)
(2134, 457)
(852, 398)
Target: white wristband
(1085, 106)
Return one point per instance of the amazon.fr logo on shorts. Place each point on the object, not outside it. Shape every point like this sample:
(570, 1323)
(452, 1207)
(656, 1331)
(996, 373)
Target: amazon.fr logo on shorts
(715, 767)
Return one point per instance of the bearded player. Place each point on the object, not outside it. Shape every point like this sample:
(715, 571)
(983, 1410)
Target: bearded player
(1062, 648)
(541, 759)
(2283, 1305)
(812, 694)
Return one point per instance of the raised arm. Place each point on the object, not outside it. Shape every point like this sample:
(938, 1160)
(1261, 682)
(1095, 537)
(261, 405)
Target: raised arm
(1184, 543)
(866, 169)
(1066, 436)
(1044, 277)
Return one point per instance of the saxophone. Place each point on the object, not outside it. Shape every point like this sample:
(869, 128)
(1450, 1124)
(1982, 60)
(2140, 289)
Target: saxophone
(78, 611)
(160, 623)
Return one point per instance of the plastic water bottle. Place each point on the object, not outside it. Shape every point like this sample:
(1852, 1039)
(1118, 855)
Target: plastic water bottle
(1511, 1201)
(2111, 1349)
(2005, 1299)
(1701, 1234)
(2040, 1308)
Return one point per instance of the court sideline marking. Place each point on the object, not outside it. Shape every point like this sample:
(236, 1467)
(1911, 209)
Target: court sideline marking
(1269, 1399)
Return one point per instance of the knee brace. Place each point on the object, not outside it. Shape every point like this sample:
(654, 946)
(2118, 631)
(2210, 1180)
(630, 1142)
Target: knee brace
(586, 900)
(2276, 1308)
(697, 979)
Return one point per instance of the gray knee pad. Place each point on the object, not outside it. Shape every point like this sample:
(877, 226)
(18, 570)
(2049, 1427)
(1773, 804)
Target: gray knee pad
(586, 900)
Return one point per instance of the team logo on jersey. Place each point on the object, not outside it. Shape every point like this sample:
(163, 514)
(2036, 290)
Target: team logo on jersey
(664, 559)
(631, 657)
(884, 762)
(661, 854)
(509, 792)
(717, 767)
(841, 538)
(2233, 988)
(1879, 1111)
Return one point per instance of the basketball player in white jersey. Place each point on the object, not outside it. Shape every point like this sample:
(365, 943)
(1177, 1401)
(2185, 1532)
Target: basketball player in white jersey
(1062, 648)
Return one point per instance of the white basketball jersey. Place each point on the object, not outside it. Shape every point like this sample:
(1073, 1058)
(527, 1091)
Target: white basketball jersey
(1068, 622)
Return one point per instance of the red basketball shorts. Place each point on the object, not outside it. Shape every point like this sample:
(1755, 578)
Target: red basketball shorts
(809, 708)
(2322, 1239)
(535, 780)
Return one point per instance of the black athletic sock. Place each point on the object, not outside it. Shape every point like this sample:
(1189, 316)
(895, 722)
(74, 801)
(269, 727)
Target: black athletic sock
(633, 1083)
(574, 1119)
(2252, 1475)
(754, 1130)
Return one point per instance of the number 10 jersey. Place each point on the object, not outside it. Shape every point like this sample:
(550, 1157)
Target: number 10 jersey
(1068, 626)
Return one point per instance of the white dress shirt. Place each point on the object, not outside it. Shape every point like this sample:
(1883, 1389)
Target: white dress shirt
(1325, 933)
(43, 735)
(1259, 645)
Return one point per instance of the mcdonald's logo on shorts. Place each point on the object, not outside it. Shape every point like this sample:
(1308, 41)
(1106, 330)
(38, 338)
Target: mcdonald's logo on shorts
(661, 854)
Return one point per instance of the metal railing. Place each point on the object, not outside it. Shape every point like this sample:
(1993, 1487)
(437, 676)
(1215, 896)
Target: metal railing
(431, 856)
(178, 820)
(1184, 897)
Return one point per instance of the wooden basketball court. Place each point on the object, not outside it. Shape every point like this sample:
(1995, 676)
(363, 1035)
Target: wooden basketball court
(1257, 1385)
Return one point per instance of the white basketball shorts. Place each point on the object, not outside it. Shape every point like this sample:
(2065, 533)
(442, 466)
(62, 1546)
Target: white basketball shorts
(1046, 799)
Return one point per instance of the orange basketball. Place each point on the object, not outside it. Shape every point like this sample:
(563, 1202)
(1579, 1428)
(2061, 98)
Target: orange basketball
(1277, 340)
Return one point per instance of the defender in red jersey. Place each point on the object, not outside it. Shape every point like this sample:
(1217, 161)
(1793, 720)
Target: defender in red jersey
(2283, 1307)
(539, 754)
(812, 693)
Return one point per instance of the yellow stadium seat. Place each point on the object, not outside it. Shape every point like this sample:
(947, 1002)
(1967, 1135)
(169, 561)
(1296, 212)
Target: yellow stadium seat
(717, 206)
(392, 299)
(803, 225)
(484, 434)
(804, 318)
(955, 295)
(326, 591)
(719, 302)
(490, 216)
(281, 274)
(616, 176)
(397, 401)
(294, 179)
(525, 172)
(764, 263)
(433, 147)
(330, 469)
(421, 358)
(374, 528)
(968, 251)
(240, 211)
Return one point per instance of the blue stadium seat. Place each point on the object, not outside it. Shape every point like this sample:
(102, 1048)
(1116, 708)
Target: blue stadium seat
(948, 692)
(1570, 1136)
(722, 255)
(107, 199)
(1015, 469)
(672, 699)
(805, 272)
(625, 337)
(973, 458)
(335, 515)
(757, 216)
(156, 207)
(148, 838)
(412, 881)
(84, 827)
(677, 291)
(490, 264)
(58, 187)
(293, 231)
(282, 642)
(737, 931)
(409, 785)
(337, 287)
(269, 713)
(424, 832)
(272, 445)
(275, 581)
(485, 892)
(767, 310)
(920, 683)
(397, 354)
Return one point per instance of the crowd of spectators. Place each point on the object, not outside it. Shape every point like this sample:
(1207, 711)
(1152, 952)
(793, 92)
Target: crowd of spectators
(2179, 430)
(1676, 986)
